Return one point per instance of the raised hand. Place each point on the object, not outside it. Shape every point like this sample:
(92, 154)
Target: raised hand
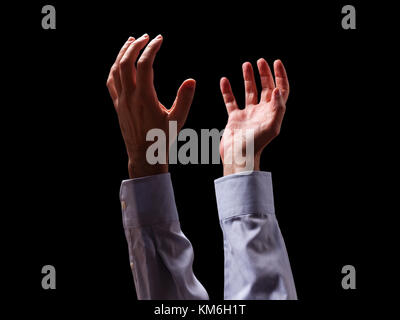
(263, 115)
(135, 100)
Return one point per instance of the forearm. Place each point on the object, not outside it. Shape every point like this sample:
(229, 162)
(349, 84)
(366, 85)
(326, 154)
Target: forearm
(142, 168)
(235, 168)
(161, 256)
(256, 261)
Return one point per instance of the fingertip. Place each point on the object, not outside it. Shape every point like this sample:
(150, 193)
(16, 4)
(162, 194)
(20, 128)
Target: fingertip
(189, 84)
(278, 64)
(248, 71)
(158, 40)
(221, 83)
(246, 65)
(144, 38)
(224, 84)
(261, 61)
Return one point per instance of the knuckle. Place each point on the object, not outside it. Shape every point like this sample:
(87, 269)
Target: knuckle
(280, 107)
(276, 130)
(109, 82)
(114, 69)
(123, 63)
(143, 63)
(285, 94)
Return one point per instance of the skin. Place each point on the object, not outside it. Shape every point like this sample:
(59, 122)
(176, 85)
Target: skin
(264, 115)
(131, 88)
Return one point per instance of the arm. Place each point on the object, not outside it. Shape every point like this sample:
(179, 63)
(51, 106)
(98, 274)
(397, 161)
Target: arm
(160, 255)
(256, 261)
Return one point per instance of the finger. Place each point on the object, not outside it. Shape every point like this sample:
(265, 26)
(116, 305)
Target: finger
(145, 63)
(267, 81)
(117, 78)
(114, 81)
(123, 49)
(127, 63)
(227, 94)
(278, 106)
(111, 88)
(183, 101)
(249, 84)
(281, 79)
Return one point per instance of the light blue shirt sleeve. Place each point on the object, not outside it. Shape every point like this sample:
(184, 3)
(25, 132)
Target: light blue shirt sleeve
(161, 257)
(256, 261)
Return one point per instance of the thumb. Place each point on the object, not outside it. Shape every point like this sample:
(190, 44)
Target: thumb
(183, 101)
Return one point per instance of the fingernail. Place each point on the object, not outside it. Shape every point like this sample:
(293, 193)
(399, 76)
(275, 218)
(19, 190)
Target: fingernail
(277, 92)
(190, 83)
(145, 36)
(159, 36)
(130, 38)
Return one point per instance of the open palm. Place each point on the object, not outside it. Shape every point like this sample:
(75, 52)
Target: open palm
(262, 115)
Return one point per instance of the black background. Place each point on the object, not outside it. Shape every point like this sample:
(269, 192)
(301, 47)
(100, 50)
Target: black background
(73, 159)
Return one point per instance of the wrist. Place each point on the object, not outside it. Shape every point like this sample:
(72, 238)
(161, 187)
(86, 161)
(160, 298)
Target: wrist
(249, 165)
(143, 169)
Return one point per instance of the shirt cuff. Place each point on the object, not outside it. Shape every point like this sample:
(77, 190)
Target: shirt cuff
(148, 200)
(244, 193)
